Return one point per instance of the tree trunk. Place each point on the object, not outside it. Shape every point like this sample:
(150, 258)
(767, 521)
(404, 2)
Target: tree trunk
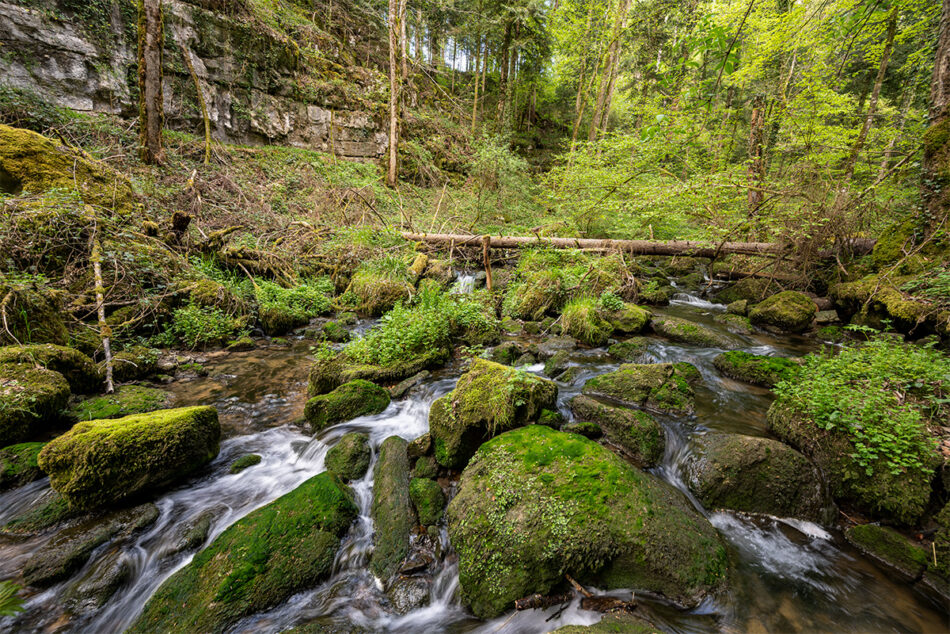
(901, 120)
(150, 40)
(756, 157)
(935, 167)
(484, 73)
(201, 101)
(392, 173)
(602, 107)
(478, 58)
(420, 53)
(504, 61)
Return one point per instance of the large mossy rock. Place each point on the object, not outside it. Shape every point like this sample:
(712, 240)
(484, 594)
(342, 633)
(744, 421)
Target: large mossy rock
(633, 350)
(18, 465)
(260, 561)
(80, 371)
(34, 315)
(428, 500)
(377, 291)
(754, 368)
(629, 320)
(788, 311)
(356, 398)
(756, 475)
(487, 400)
(349, 457)
(32, 399)
(125, 401)
(134, 363)
(327, 374)
(392, 512)
(535, 504)
(900, 498)
(634, 431)
(874, 301)
(103, 461)
(688, 332)
(582, 320)
(661, 387)
(751, 289)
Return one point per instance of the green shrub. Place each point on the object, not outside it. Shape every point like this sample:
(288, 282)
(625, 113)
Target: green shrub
(307, 300)
(195, 327)
(610, 301)
(882, 395)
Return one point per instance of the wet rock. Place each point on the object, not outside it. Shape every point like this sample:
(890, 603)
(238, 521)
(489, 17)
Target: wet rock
(125, 401)
(890, 549)
(535, 504)
(788, 311)
(632, 350)
(133, 363)
(553, 345)
(511, 326)
(755, 369)
(408, 594)
(662, 387)
(621, 623)
(355, 398)
(69, 549)
(244, 462)
(260, 561)
(756, 475)
(557, 363)
(532, 327)
(349, 457)
(330, 373)
(418, 561)
(738, 307)
(629, 320)
(402, 388)
(347, 319)
(690, 333)
(659, 296)
(195, 533)
(551, 418)
(487, 400)
(505, 353)
(48, 510)
(585, 429)
(80, 371)
(242, 344)
(825, 317)
(426, 467)
(392, 513)
(103, 461)
(639, 436)
(569, 375)
(102, 581)
(31, 401)
(428, 500)
(18, 465)
(526, 359)
(735, 323)
(421, 446)
(333, 331)
(277, 320)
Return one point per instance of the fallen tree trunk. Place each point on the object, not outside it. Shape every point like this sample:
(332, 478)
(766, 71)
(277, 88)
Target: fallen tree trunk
(635, 247)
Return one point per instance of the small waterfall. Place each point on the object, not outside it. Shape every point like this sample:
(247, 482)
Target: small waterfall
(465, 284)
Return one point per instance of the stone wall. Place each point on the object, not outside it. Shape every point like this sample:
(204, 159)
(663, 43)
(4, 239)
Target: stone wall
(254, 84)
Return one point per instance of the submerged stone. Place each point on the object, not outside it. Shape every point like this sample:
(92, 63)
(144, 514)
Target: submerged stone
(244, 462)
(634, 431)
(788, 311)
(349, 457)
(258, 562)
(32, 400)
(392, 513)
(351, 400)
(661, 387)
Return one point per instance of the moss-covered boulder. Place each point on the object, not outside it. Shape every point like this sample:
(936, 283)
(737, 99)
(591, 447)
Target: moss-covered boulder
(125, 401)
(246, 461)
(899, 498)
(890, 549)
(535, 504)
(739, 307)
(557, 364)
(657, 296)
(134, 363)
(260, 561)
(241, 344)
(207, 293)
(788, 311)
(392, 513)
(688, 332)
(487, 400)
(661, 387)
(751, 289)
(103, 461)
(277, 320)
(756, 475)
(755, 368)
(18, 465)
(628, 320)
(426, 467)
(941, 545)
(329, 373)
(633, 350)
(875, 300)
(428, 500)
(735, 323)
(375, 289)
(349, 457)
(34, 314)
(350, 400)
(582, 320)
(79, 370)
(32, 400)
(636, 433)
(333, 331)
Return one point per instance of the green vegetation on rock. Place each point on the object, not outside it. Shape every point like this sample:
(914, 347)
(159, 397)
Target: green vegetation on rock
(31, 400)
(690, 333)
(392, 513)
(428, 500)
(18, 465)
(126, 400)
(635, 431)
(355, 398)
(79, 370)
(756, 369)
(245, 461)
(662, 387)
(582, 320)
(349, 457)
(890, 548)
(788, 311)
(630, 351)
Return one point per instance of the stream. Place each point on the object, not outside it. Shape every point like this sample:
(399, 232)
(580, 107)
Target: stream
(788, 575)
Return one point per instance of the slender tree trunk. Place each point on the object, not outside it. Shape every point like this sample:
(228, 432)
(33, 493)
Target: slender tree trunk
(454, 57)
(150, 40)
(404, 51)
(583, 106)
(478, 57)
(481, 104)
(504, 61)
(756, 154)
(907, 100)
(935, 167)
(392, 174)
(420, 53)
(601, 109)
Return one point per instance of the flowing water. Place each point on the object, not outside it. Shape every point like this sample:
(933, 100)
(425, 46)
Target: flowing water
(789, 576)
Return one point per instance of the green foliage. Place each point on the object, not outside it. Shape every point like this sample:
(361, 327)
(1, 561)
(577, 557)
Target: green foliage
(10, 602)
(610, 301)
(304, 301)
(932, 286)
(195, 327)
(882, 395)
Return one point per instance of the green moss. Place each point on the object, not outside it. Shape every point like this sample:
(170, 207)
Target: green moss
(581, 319)
(127, 400)
(751, 289)
(261, 560)
(635, 432)
(328, 373)
(488, 399)
(890, 548)
(621, 623)
(245, 461)
(663, 387)
(585, 429)
(735, 323)
(391, 508)
(535, 504)
(79, 370)
(242, 344)
(31, 401)
(378, 285)
(349, 457)
(134, 363)
(103, 461)
(426, 467)
(18, 465)
(428, 500)
(628, 320)
(49, 511)
(333, 331)
(788, 311)
(683, 331)
(630, 351)
(355, 398)
(941, 544)
(754, 368)
(33, 314)
(738, 307)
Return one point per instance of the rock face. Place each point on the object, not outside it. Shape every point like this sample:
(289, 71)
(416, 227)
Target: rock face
(487, 400)
(535, 504)
(757, 475)
(356, 398)
(634, 431)
(31, 399)
(349, 457)
(33, 314)
(754, 368)
(683, 331)
(87, 63)
(898, 498)
(661, 387)
(789, 311)
(102, 461)
(274, 552)
(392, 513)
(79, 370)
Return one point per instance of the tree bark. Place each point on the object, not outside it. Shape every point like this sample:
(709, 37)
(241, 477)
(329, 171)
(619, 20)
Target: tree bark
(935, 167)
(478, 57)
(602, 107)
(504, 59)
(392, 172)
(150, 40)
(201, 101)
(756, 155)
